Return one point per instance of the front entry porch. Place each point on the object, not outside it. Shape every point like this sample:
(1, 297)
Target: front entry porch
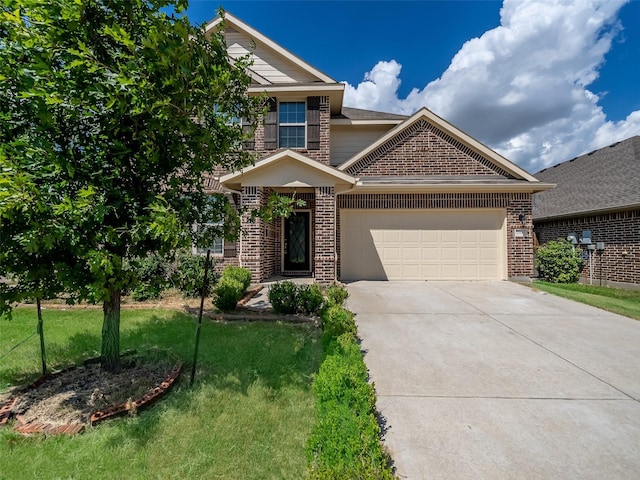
(304, 244)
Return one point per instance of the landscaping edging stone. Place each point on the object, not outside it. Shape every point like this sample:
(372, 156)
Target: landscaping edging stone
(146, 400)
(26, 427)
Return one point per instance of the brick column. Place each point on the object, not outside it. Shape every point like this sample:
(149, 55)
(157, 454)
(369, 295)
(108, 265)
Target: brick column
(251, 246)
(325, 235)
(519, 250)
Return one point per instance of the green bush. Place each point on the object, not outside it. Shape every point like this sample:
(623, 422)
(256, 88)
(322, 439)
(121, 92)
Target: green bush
(188, 274)
(558, 262)
(152, 273)
(336, 294)
(283, 297)
(345, 442)
(337, 321)
(243, 275)
(227, 294)
(310, 299)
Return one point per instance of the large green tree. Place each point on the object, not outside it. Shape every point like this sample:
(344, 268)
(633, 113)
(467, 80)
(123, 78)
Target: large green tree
(111, 112)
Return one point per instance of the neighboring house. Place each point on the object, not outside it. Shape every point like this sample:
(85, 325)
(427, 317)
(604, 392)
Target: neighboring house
(598, 192)
(386, 196)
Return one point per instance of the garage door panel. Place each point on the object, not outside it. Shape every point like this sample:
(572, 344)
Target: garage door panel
(391, 254)
(469, 253)
(423, 244)
(430, 236)
(411, 255)
(449, 253)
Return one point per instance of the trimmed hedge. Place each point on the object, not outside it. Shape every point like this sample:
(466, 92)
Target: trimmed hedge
(283, 297)
(345, 442)
(287, 298)
(337, 321)
(243, 275)
(336, 294)
(231, 287)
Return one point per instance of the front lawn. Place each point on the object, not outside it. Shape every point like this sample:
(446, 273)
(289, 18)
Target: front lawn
(617, 300)
(248, 416)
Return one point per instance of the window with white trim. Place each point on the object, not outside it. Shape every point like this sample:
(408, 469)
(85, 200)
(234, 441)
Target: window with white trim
(292, 125)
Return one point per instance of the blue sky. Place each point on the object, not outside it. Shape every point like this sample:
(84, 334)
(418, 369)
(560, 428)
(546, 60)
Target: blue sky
(540, 81)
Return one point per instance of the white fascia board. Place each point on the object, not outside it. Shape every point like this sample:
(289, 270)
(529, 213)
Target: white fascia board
(286, 88)
(344, 177)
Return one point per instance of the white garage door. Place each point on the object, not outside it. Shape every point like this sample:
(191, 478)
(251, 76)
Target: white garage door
(422, 244)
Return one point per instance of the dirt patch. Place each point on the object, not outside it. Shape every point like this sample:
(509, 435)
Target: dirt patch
(72, 396)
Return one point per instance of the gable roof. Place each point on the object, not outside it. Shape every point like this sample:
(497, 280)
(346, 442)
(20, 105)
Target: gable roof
(602, 180)
(276, 71)
(287, 168)
(259, 38)
(457, 134)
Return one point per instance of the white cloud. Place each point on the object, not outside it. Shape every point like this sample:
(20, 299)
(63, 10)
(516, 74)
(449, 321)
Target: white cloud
(521, 88)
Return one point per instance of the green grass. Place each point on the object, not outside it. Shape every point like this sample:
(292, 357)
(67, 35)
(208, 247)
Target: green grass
(617, 300)
(248, 416)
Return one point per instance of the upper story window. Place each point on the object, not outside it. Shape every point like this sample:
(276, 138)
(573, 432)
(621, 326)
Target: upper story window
(292, 123)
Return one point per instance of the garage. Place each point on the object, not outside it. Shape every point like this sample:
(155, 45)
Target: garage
(422, 244)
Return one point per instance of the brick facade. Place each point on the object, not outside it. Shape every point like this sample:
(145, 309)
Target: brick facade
(325, 234)
(420, 150)
(322, 154)
(423, 149)
(519, 249)
(620, 231)
(252, 251)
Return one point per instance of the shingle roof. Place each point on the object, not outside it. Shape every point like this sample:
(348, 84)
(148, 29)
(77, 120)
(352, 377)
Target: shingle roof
(605, 179)
(359, 114)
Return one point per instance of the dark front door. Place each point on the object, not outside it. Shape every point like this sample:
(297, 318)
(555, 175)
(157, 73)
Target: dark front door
(296, 242)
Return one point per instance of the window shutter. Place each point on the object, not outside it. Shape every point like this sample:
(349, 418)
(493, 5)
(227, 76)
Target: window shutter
(271, 126)
(248, 130)
(313, 123)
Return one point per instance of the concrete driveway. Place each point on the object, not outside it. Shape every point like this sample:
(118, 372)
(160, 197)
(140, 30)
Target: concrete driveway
(495, 380)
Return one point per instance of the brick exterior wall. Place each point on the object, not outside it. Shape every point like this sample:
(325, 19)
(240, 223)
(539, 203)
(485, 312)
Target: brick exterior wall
(325, 234)
(252, 251)
(620, 231)
(322, 154)
(420, 150)
(519, 250)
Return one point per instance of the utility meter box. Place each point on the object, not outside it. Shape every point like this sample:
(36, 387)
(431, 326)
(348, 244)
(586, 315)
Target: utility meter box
(599, 245)
(586, 237)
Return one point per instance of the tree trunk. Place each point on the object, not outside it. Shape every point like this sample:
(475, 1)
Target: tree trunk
(111, 332)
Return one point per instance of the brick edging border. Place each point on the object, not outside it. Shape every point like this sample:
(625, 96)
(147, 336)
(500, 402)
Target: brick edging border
(27, 428)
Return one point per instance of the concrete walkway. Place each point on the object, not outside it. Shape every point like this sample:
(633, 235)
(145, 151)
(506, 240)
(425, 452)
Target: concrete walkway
(493, 380)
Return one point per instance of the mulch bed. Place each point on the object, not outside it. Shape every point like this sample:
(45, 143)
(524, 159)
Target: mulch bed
(79, 396)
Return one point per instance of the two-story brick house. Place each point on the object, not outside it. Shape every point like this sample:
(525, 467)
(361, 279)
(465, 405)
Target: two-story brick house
(386, 196)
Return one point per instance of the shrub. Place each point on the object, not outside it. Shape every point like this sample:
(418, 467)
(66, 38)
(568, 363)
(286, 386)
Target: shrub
(227, 294)
(153, 277)
(188, 274)
(309, 299)
(345, 442)
(558, 262)
(337, 321)
(243, 275)
(336, 294)
(283, 297)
